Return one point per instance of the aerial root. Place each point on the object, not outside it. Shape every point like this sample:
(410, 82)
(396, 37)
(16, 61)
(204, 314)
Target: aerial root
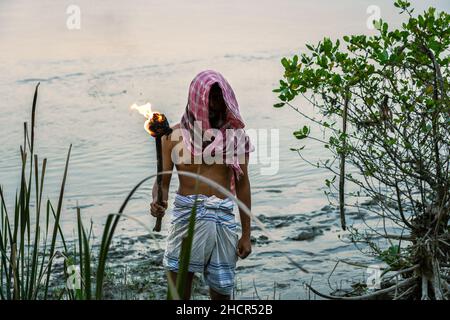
(399, 285)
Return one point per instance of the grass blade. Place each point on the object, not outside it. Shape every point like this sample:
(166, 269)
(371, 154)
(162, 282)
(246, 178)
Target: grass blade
(185, 254)
(85, 259)
(57, 219)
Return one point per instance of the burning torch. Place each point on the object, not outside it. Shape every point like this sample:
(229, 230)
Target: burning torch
(157, 126)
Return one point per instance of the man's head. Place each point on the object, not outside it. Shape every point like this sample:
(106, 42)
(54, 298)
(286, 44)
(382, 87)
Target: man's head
(212, 103)
(217, 107)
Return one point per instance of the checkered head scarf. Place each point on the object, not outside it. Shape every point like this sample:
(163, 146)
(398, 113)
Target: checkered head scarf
(197, 115)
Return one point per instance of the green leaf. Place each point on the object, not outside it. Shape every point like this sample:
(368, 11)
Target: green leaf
(337, 80)
(327, 45)
(297, 149)
(302, 133)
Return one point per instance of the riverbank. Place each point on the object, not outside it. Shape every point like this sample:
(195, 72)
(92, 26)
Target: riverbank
(135, 271)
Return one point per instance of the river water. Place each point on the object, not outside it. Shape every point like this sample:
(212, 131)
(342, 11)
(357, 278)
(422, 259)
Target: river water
(139, 51)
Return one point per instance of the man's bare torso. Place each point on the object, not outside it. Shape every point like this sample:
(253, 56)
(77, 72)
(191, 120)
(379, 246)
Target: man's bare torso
(219, 173)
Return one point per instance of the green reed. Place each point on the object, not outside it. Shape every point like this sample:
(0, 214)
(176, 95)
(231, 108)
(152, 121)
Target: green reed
(27, 247)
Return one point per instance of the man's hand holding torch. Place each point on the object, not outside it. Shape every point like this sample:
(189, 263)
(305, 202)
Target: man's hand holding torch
(157, 126)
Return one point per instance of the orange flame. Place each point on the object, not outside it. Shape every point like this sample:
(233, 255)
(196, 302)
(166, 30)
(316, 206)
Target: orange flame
(146, 111)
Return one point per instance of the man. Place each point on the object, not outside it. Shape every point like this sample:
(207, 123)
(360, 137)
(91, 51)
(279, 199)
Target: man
(212, 111)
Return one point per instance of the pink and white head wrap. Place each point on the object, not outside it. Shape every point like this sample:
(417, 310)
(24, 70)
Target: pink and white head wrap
(198, 110)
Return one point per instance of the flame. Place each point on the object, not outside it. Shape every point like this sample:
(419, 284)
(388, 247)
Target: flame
(147, 127)
(145, 109)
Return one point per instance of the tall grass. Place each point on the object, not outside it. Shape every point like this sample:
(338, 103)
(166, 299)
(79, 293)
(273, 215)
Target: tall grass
(27, 244)
(31, 234)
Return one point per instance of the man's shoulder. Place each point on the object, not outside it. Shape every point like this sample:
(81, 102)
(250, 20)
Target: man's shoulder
(174, 137)
(176, 126)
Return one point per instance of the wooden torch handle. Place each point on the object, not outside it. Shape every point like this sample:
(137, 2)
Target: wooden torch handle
(157, 227)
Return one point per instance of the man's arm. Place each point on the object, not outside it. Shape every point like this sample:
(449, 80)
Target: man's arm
(158, 209)
(243, 193)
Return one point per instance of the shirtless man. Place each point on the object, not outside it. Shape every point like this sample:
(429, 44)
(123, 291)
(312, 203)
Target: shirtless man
(216, 245)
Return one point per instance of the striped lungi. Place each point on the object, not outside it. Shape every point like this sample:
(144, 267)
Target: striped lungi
(215, 240)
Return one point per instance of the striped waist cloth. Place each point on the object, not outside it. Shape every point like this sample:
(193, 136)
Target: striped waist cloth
(211, 208)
